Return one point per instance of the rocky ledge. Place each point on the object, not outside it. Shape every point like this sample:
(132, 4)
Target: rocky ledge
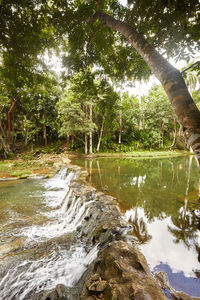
(120, 272)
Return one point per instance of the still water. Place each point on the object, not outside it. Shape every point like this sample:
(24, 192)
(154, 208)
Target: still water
(161, 199)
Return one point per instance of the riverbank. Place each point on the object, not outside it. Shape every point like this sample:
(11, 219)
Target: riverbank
(134, 154)
(27, 165)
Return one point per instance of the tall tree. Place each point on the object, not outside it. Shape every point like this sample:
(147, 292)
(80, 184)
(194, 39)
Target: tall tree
(168, 25)
(171, 79)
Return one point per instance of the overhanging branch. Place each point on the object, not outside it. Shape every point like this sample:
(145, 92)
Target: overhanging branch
(192, 66)
(94, 34)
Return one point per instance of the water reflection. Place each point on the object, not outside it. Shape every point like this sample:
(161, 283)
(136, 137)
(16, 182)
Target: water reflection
(160, 197)
(139, 225)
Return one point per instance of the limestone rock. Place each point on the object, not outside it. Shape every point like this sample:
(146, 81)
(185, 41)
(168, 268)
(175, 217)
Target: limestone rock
(125, 275)
(97, 286)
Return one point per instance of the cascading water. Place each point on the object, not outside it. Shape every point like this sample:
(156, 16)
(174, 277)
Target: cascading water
(63, 262)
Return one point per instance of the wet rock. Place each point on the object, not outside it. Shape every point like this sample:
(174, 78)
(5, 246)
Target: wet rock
(14, 245)
(97, 286)
(67, 293)
(61, 292)
(48, 295)
(125, 275)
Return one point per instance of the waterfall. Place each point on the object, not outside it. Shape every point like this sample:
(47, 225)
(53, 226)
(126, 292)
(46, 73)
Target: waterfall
(63, 264)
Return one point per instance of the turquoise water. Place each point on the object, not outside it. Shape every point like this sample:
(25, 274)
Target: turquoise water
(160, 198)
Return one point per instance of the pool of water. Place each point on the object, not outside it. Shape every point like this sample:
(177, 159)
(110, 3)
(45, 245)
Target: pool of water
(161, 199)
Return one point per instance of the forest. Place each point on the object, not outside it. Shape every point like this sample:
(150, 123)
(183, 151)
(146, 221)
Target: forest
(87, 105)
(99, 149)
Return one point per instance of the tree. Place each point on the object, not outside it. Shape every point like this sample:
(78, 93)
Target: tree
(163, 24)
(107, 109)
(171, 79)
(158, 114)
(76, 106)
(4, 105)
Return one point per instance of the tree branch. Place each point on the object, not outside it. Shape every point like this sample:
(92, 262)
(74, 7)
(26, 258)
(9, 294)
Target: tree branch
(196, 63)
(93, 18)
(94, 34)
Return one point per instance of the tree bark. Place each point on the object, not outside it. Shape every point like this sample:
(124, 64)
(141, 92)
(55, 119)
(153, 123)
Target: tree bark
(9, 123)
(86, 143)
(140, 125)
(90, 136)
(100, 137)
(68, 139)
(171, 79)
(174, 133)
(5, 146)
(44, 130)
(163, 131)
(120, 127)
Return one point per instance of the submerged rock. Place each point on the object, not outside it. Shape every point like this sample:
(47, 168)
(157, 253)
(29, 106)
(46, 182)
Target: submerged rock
(13, 245)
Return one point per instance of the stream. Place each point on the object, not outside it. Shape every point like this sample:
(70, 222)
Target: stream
(160, 197)
(47, 226)
(40, 244)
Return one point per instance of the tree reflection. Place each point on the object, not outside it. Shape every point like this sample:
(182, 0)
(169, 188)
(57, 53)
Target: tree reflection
(185, 228)
(139, 228)
(185, 223)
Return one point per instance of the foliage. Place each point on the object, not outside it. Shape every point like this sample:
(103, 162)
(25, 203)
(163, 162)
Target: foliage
(94, 58)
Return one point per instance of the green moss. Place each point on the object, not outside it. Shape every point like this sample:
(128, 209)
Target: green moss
(3, 167)
(20, 173)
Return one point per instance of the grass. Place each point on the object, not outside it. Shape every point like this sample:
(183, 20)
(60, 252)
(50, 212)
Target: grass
(141, 154)
(20, 173)
(3, 167)
(23, 167)
(19, 168)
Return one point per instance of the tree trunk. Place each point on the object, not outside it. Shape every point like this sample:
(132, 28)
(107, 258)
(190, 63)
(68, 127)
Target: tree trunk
(9, 123)
(86, 143)
(26, 137)
(171, 79)
(5, 146)
(100, 137)
(140, 125)
(120, 127)
(90, 149)
(163, 131)
(174, 133)
(68, 139)
(44, 130)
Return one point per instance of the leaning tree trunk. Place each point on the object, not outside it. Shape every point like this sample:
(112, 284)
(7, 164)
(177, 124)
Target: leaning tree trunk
(171, 79)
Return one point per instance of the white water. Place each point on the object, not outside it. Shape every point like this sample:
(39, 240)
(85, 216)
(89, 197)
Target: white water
(61, 266)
